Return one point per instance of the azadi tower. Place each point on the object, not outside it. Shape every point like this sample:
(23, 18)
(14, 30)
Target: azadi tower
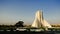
(40, 21)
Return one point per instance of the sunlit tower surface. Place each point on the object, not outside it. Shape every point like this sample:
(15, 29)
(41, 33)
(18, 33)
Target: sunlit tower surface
(39, 20)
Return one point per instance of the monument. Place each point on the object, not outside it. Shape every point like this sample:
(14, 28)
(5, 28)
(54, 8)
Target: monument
(40, 21)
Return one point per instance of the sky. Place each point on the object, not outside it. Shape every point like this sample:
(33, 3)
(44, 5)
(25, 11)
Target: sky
(12, 11)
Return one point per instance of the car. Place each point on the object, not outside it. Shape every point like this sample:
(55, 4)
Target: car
(37, 30)
(20, 29)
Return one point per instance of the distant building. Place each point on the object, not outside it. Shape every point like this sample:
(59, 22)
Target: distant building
(40, 21)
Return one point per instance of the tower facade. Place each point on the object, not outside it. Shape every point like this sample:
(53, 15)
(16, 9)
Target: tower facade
(40, 21)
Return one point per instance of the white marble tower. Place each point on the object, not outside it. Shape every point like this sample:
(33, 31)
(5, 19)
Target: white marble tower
(40, 21)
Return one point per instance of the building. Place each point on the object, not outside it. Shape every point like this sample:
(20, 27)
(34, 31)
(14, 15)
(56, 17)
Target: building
(39, 21)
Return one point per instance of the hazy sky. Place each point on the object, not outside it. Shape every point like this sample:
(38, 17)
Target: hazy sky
(12, 11)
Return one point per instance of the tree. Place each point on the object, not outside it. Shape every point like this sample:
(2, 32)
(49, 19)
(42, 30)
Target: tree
(19, 24)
